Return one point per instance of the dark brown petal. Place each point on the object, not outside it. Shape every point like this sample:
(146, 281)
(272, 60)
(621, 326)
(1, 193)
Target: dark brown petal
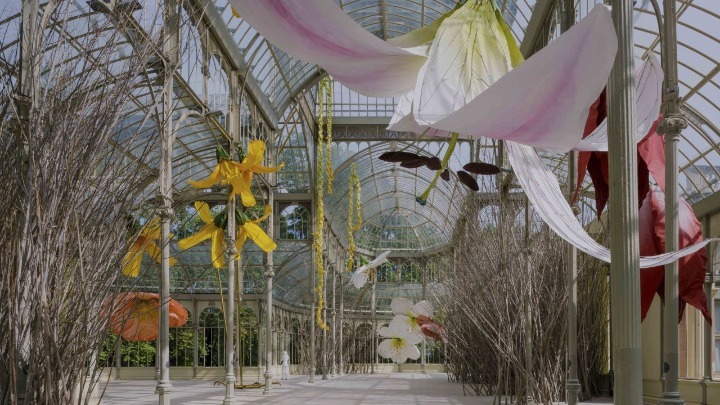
(445, 175)
(397, 156)
(468, 180)
(434, 163)
(481, 168)
(414, 164)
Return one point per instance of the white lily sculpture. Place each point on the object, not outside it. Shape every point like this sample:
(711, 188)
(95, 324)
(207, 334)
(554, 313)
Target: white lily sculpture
(360, 276)
(464, 84)
(416, 319)
(400, 344)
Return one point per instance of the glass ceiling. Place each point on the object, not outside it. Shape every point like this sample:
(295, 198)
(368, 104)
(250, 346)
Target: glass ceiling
(388, 191)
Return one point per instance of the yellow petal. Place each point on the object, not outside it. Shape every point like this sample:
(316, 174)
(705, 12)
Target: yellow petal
(241, 238)
(248, 199)
(211, 180)
(154, 251)
(131, 262)
(259, 236)
(203, 210)
(237, 184)
(268, 211)
(516, 56)
(256, 152)
(217, 251)
(267, 169)
(204, 233)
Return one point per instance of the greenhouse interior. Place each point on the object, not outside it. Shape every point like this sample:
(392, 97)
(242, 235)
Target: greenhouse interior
(360, 202)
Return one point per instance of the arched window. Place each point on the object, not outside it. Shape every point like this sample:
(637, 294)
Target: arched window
(218, 91)
(212, 338)
(294, 222)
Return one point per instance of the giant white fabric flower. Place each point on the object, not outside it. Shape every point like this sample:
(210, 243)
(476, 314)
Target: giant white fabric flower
(464, 85)
(360, 276)
(399, 346)
(406, 315)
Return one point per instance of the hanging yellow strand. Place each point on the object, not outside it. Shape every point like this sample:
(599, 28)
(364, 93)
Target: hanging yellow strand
(320, 211)
(328, 139)
(358, 207)
(354, 216)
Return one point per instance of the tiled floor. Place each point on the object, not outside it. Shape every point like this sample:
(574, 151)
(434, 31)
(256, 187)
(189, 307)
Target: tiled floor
(356, 389)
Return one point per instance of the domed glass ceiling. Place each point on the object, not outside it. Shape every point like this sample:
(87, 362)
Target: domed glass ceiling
(276, 83)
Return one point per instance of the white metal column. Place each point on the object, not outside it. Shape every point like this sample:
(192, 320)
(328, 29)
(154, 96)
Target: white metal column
(671, 126)
(623, 206)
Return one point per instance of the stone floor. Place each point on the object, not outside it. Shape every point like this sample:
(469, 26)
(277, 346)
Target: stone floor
(355, 389)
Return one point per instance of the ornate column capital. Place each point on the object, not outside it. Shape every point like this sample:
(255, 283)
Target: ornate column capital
(672, 125)
(166, 213)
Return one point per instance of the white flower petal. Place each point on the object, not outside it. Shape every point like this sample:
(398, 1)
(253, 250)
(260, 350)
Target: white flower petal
(469, 54)
(424, 308)
(399, 358)
(402, 306)
(382, 258)
(387, 350)
(411, 352)
(405, 327)
(360, 277)
(385, 332)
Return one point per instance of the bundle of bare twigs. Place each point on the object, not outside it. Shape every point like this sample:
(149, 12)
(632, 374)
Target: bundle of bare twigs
(72, 165)
(486, 301)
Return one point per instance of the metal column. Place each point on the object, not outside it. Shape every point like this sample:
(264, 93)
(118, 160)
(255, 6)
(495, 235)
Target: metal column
(269, 273)
(671, 126)
(341, 363)
(624, 239)
(170, 50)
(373, 307)
(324, 332)
(572, 384)
(708, 337)
(334, 327)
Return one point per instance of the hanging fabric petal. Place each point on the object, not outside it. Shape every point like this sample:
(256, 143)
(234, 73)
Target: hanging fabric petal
(203, 210)
(214, 178)
(322, 33)
(259, 236)
(131, 262)
(246, 196)
(217, 249)
(152, 229)
(542, 188)
(204, 233)
(240, 240)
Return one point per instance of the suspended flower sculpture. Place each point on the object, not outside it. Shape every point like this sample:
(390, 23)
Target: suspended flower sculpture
(416, 319)
(400, 345)
(145, 242)
(238, 174)
(447, 93)
(214, 230)
(135, 315)
(361, 275)
(410, 326)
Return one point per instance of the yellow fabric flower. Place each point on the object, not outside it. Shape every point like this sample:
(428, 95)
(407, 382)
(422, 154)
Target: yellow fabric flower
(145, 242)
(239, 175)
(211, 230)
(252, 164)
